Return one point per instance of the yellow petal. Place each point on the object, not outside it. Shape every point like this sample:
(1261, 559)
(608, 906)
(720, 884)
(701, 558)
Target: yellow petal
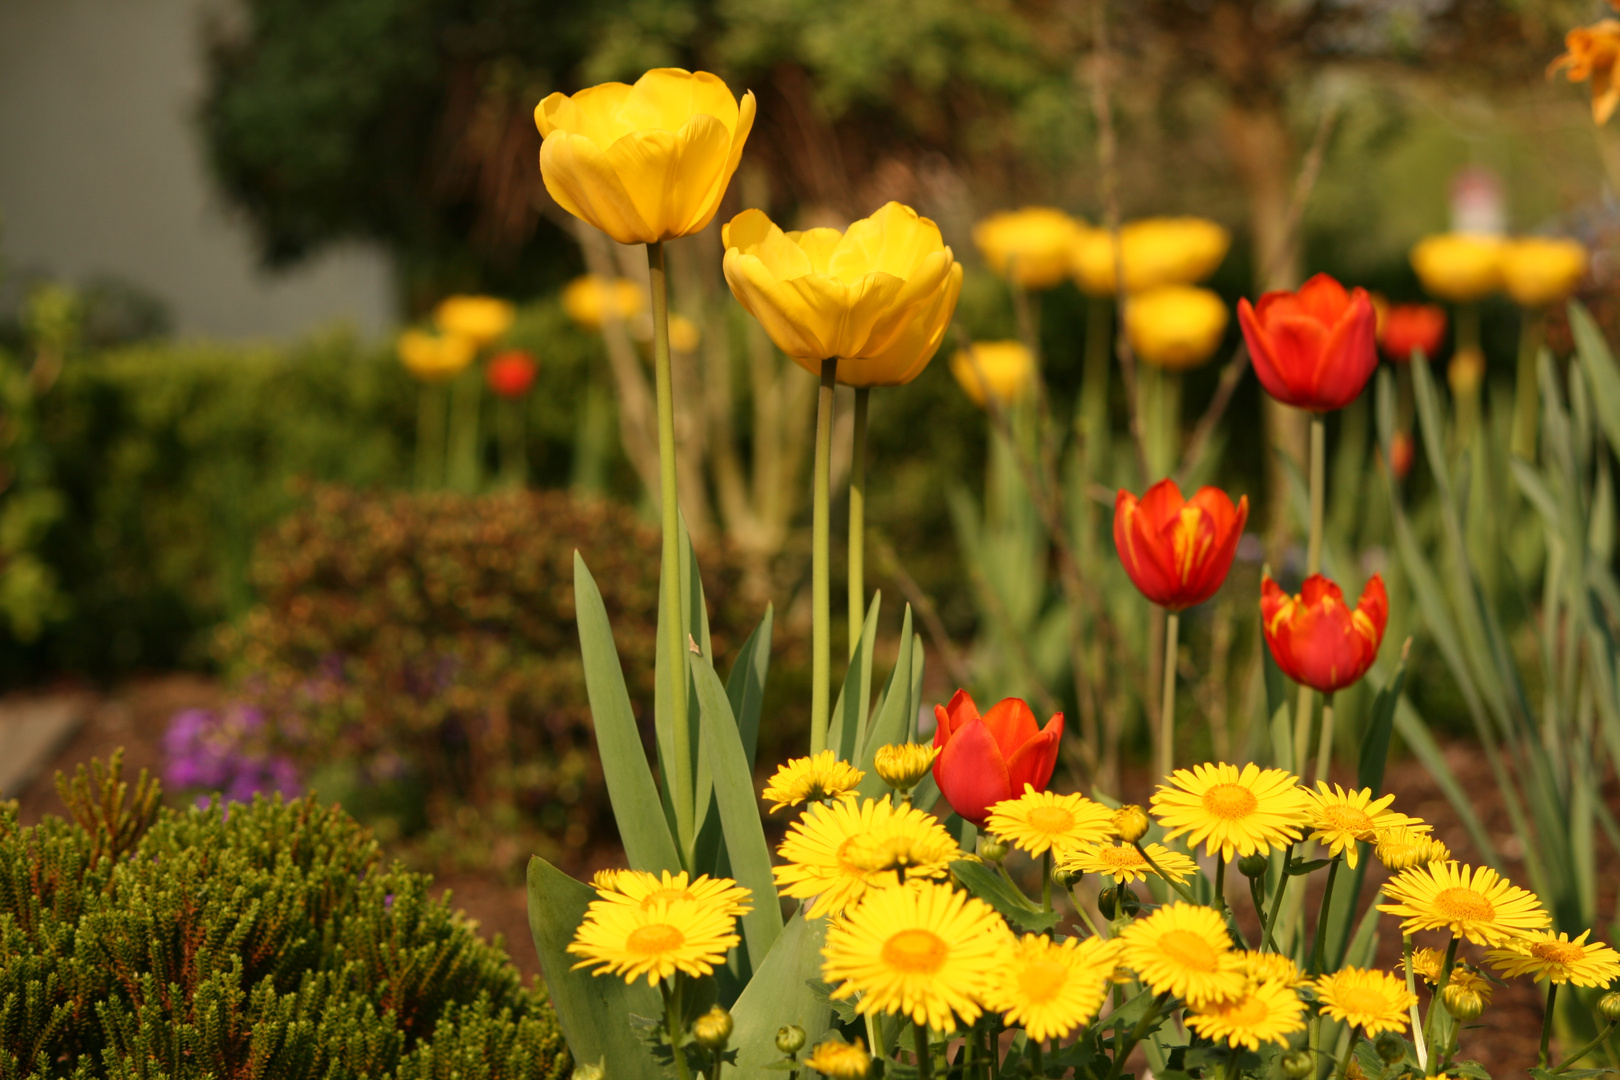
(753, 233)
(819, 245)
(909, 353)
(669, 176)
(893, 240)
(862, 305)
(792, 323)
(578, 176)
(664, 99)
(593, 112)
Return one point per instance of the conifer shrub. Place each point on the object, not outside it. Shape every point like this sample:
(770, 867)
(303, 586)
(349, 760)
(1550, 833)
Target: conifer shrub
(267, 940)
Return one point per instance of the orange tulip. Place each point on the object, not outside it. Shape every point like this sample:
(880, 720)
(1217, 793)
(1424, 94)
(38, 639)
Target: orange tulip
(1412, 326)
(1591, 53)
(1178, 551)
(986, 760)
(1315, 638)
(1314, 348)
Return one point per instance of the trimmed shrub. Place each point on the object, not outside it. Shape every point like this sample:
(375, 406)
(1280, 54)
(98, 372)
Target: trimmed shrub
(258, 941)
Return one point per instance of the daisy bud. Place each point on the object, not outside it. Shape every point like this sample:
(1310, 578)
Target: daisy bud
(586, 1071)
(1297, 1064)
(1354, 1071)
(1254, 865)
(1465, 1004)
(992, 848)
(713, 1029)
(790, 1038)
(903, 765)
(841, 1061)
(1131, 823)
(1105, 903)
(1608, 1007)
(1391, 1048)
(1066, 876)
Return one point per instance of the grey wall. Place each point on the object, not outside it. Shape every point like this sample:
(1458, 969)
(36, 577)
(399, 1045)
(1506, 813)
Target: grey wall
(101, 174)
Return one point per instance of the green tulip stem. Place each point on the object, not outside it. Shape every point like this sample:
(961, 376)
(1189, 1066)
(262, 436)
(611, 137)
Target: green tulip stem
(1411, 988)
(925, 1060)
(510, 415)
(1313, 565)
(1547, 1024)
(857, 523)
(1319, 946)
(1526, 400)
(1094, 382)
(1167, 703)
(820, 568)
(430, 410)
(674, 643)
(465, 398)
(1324, 748)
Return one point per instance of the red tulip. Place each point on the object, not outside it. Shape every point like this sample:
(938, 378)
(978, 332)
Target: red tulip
(1400, 454)
(1315, 638)
(1313, 348)
(986, 760)
(511, 373)
(1178, 551)
(1412, 326)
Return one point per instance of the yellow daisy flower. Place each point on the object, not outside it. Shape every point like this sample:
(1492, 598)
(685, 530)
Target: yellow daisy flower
(1232, 811)
(840, 1060)
(1050, 989)
(1542, 955)
(1270, 967)
(657, 941)
(1426, 964)
(1040, 821)
(1374, 1001)
(1403, 847)
(1470, 979)
(903, 765)
(837, 851)
(1125, 864)
(1264, 1012)
(1477, 904)
(924, 950)
(1341, 818)
(606, 881)
(1185, 949)
(640, 887)
(812, 779)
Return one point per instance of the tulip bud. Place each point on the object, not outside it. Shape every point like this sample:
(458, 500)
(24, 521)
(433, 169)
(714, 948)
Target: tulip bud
(1465, 1004)
(1131, 823)
(1608, 1007)
(1391, 1048)
(992, 848)
(587, 1071)
(903, 765)
(1297, 1064)
(1254, 865)
(713, 1029)
(790, 1038)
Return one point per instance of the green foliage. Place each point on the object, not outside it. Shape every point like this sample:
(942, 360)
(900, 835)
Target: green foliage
(266, 941)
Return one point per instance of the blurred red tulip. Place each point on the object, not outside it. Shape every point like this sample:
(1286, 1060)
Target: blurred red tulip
(511, 373)
(1401, 450)
(986, 760)
(1178, 551)
(1315, 638)
(1412, 326)
(1314, 348)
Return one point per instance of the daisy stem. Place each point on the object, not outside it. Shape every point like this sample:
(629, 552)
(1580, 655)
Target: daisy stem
(1411, 988)
(1123, 1050)
(1085, 916)
(1547, 1024)
(1349, 1054)
(820, 570)
(1167, 708)
(857, 523)
(1587, 1049)
(1220, 884)
(1437, 1005)
(1276, 902)
(1181, 890)
(1046, 880)
(672, 1020)
(1319, 946)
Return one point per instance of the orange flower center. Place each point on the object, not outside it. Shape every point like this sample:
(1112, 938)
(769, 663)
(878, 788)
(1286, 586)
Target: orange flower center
(1122, 858)
(1042, 980)
(1248, 1011)
(1052, 820)
(654, 940)
(857, 855)
(1557, 952)
(1230, 801)
(1348, 819)
(1459, 905)
(1188, 950)
(1362, 1001)
(915, 952)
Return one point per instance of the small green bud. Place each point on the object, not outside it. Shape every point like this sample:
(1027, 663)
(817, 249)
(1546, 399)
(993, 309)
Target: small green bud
(1105, 903)
(713, 1029)
(1128, 902)
(1297, 1064)
(1608, 1007)
(992, 848)
(1391, 1047)
(1465, 1004)
(1066, 876)
(790, 1038)
(1254, 865)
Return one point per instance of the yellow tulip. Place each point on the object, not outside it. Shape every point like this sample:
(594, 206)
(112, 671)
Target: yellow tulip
(1002, 369)
(1157, 251)
(1175, 326)
(684, 334)
(877, 296)
(588, 299)
(435, 357)
(1032, 245)
(1459, 267)
(479, 319)
(1542, 270)
(647, 162)
(1466, 371)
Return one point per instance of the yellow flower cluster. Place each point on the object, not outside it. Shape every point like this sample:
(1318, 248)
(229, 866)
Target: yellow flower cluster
(1536, 271)
(465, 324)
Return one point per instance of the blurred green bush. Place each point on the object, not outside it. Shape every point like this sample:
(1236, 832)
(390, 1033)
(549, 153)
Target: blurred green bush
(265, 940)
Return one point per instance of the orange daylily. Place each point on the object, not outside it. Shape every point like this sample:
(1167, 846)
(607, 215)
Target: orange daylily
(1591, 54)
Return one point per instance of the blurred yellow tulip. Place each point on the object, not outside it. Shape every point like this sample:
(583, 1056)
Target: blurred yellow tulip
(435, 357)
(647, 162)
(1459, 267)
(1031, 246)
(684, 334)
(1002, 369)
(1175, 326)
(1542, 270)
(588, 299)
(1466, 371)
(479, 319)
(1157, 251)
(877, 296)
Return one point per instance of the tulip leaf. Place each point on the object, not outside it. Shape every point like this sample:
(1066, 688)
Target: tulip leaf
(1601, 371)
(925, 796)
(591, 1009)
(994, 890)
(745, 687)
(854, 698)
(781, 992)
(889, 722)
(1415, 733)
(738, 809)
(644, 831)
(1282, 727)
(680, 766)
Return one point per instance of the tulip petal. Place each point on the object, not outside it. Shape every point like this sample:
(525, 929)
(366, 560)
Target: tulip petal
(971, 773)
(788, 320)
(907, 354)
(1033, 762)
(1012, 722)
(1322, 298)
(951, 716)
(576, 173)
(664, 99)
(593, 113)
(817, 246)
(670, 175)
(1349, 357)
(1261, 353)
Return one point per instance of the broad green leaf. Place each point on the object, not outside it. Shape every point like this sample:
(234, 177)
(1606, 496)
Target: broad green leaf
(889, 722)
(994, 890)
(1415, 733)
(643, 830)
(1602, 374)
(592, 1010)
(780, 993)
(855, 696)
(745, 687)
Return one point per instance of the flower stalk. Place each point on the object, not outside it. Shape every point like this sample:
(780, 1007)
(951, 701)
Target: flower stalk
(430, 414)
(820, 567)
(1526, 400)
(1167, 702)
(1547, 1024)
(1313, 564)
(857, 523)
